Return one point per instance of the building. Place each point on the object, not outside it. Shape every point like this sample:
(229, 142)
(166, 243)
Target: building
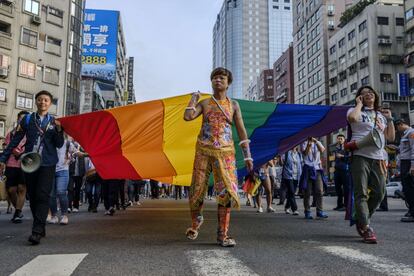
(266, 86)
(104, 54)
(91, 97)
(314, 21)
(409, 54)
(252, 92)
(248, 36)
(369, 50)
(283, 86)
(34, 50)
(130, 81)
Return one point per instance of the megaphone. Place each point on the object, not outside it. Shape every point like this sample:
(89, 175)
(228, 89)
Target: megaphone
(30, 162)
(372, 139)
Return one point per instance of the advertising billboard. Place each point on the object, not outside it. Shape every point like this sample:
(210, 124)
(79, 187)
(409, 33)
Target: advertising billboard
(100, 33)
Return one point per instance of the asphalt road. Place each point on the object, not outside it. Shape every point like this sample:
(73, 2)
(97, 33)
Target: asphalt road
(149, 240)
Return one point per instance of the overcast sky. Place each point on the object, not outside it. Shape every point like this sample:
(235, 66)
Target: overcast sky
(171, 41)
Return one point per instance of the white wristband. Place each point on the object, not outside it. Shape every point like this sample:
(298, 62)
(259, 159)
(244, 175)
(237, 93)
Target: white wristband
(191, 108)
(248, 159)
(244, 141)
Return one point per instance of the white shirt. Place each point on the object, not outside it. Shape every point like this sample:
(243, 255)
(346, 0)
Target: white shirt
(364, 125)
(313, 158)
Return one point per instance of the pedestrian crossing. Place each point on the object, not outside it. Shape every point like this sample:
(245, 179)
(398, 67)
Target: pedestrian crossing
(217, 262)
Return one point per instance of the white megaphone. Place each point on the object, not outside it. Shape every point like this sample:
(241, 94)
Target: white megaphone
(372, 139)
(30, 162)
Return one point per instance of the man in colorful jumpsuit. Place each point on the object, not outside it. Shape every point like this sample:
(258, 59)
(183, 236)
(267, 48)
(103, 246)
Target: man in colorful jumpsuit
(215, 153)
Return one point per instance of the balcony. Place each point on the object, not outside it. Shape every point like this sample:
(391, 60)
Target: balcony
(5, 40)
(390, 59)
(6, 8)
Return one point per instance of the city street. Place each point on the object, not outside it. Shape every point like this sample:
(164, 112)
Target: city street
(149, 240)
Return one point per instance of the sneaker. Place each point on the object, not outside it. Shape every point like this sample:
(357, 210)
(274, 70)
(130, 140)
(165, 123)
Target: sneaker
(107, 213)
(308, 215)
(288, 212)
(407, 219)
(17, 218)
(138, 203)
(321, 214)
(75, 210)
(64, 220)
(295, 213)
(69, 210)
(260, 210)
(270, 210)
(52, 220)
(111, 211)
(369, 236)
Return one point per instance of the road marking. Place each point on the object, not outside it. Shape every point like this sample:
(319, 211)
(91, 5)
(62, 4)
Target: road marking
(217, 262)
(378, 264)
(48, 265)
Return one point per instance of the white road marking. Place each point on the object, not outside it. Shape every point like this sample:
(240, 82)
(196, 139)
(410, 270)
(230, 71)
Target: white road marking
(378, 264)
(217, 262)
(48, 265)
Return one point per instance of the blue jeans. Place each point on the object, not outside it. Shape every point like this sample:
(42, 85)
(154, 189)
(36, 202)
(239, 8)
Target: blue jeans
(59, 191)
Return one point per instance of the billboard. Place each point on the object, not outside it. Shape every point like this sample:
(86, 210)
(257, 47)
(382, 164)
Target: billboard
(403, 85)
(100, 33)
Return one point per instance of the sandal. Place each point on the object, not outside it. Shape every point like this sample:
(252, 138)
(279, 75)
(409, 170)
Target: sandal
(226, 242)
(191, 234)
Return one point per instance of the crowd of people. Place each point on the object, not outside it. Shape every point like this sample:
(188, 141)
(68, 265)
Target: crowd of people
(66, 178)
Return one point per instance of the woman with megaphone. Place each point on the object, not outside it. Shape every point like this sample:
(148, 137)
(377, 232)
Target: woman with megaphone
(370, 126)
(44, 134)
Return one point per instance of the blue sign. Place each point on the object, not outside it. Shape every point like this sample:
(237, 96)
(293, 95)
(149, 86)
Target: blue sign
(403, 85)
(100, 36)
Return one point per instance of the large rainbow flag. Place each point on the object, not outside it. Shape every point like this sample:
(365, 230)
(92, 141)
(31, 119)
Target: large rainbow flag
(152, 140)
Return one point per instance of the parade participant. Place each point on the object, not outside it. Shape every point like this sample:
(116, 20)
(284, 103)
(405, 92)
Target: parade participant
(93, 186)
(368, 166)
(341, 175)
(77, 169)
(407, 165)
(215, 153)
(15, 184)
(312, 178)
(266, 185)
(44, 134)
(291, 172)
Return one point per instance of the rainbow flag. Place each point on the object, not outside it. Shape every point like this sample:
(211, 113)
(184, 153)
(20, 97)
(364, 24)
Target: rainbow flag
(151, 140)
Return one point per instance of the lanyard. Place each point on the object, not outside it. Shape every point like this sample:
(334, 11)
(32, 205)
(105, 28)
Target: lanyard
(39, 127)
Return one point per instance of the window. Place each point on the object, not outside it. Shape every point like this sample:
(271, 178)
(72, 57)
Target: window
(351, 35)
(352, 52)
(399, 21)
(29, 37)
(342, 59)
(53, 45)
(2, 128)
(334, 97)
(341, 42)
(332, 50)
(354, 87)
(27, 69)
(4, 61)
(5, 28)
(409, 14)
(365, 81)
(287, 1)
(287, 8)
(50, 75)
(276, 7)
(301, 60)
(55, 12)
(344, 92)
(32, 6)
(382, 20)
(363, 63)
(362, 26)
(352, 69)
(363, 45)
(3, 93)
(24, 100)
(386, 78)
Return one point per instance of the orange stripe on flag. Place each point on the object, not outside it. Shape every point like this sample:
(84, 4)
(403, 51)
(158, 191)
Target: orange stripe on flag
(141, 129)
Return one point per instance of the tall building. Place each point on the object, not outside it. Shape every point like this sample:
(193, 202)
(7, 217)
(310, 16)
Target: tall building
(283, 78)
(130, 81)
(104, 54)
(409, 51)
(248, 36)
(34, 50)
(314, 21)
(369, 50)
(266, 86)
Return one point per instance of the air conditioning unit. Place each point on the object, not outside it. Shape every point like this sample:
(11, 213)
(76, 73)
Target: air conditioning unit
(331, 27)
(384, 41)
(36, 20)
(330, 12)
(7, 2)
(4, 72)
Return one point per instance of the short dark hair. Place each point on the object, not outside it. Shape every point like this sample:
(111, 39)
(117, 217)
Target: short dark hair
(376, 101)
(23, 112)
(340, 135)
(222, 71)
(400, 122)
(44, 92)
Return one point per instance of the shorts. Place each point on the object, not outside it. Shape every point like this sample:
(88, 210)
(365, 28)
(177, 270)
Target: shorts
(15, 176)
